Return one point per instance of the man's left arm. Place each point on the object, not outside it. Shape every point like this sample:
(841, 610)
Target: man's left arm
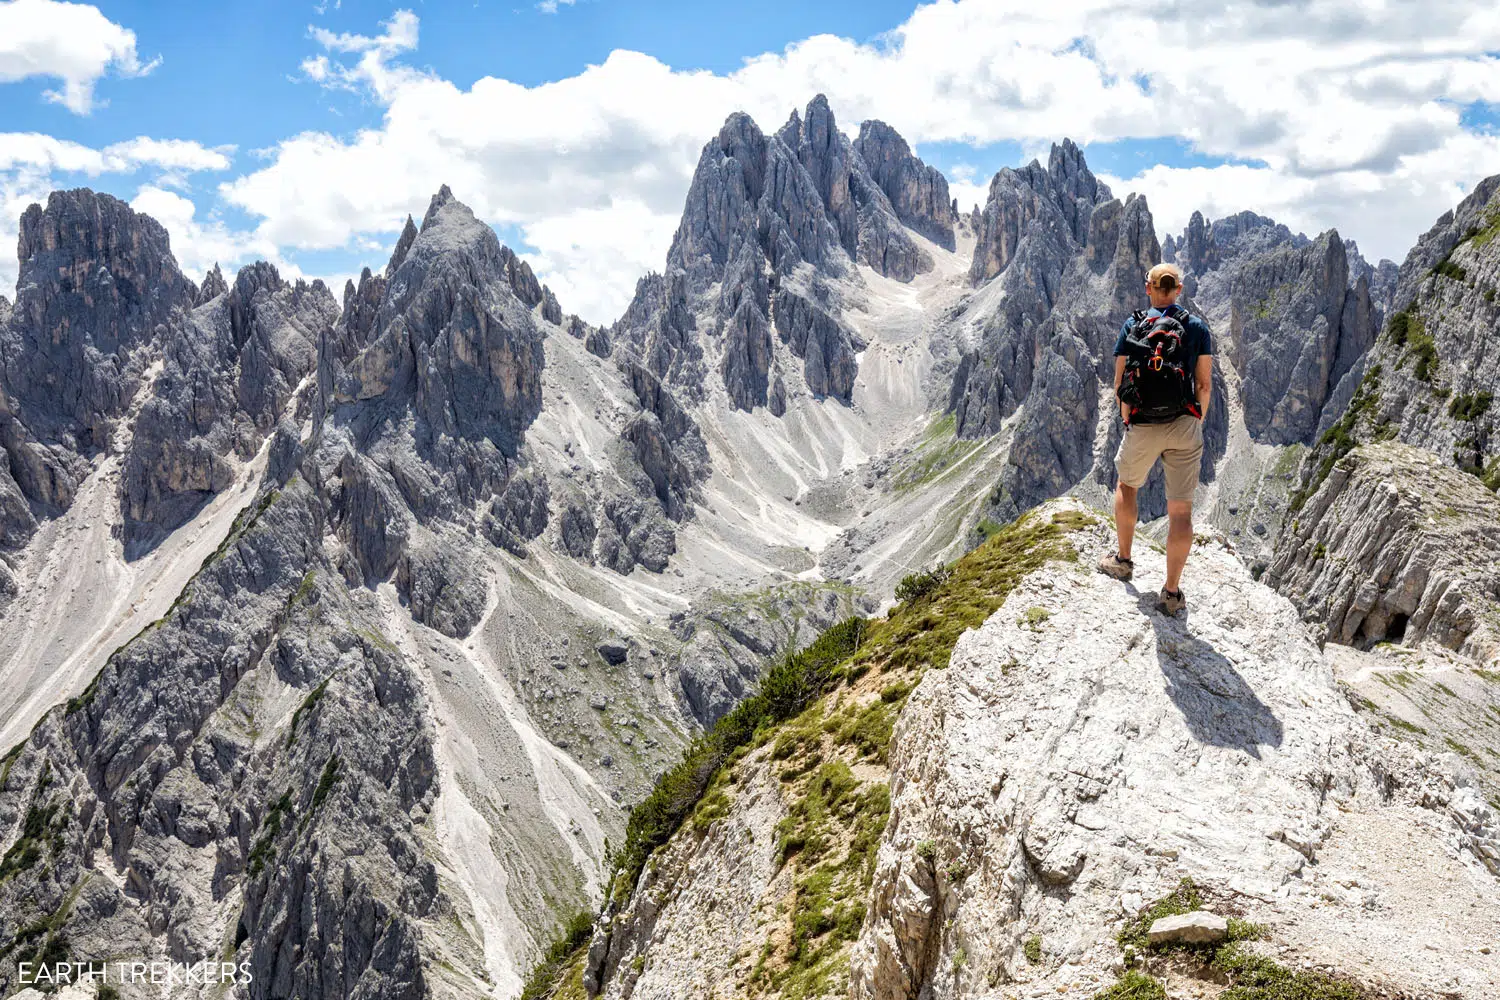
(1203, 384)
(1203, 374)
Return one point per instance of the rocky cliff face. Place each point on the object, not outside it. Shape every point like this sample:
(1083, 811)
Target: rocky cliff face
(1078, 765)
(1397, 546)
(1292, 315)
(1430, 375)
(97, 285)
(224, 382)
(918, 193)
(113, 351)
(170, 810)
(1429, 379)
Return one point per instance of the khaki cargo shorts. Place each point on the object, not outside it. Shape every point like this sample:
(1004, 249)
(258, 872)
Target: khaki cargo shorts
(1179, 445)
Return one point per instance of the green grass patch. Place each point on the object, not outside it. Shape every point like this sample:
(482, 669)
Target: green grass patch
(325, 782)
(1405, 726)
(1488, 229)
(1133, 985)
(1252, 977)
(1470, 406)
(41, 829)
(548, 974)
(264, 848)
(870, 731)
(1032, 949)
(940, 450)
(313, 697)
(1463, 750)
(1341, 438)
(831, 835)
(922, 633)
(1447, 269)
(714, 807)
(1490, 475)
(1034, 618)
(9, 761)
(792, 684)
(1135, 934)
(1287, 459)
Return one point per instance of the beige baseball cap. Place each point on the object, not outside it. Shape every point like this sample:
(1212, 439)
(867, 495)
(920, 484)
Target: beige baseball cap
(1171, 272)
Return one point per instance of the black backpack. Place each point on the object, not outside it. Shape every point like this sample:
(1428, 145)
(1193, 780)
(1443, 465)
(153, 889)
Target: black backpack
(1157, 385)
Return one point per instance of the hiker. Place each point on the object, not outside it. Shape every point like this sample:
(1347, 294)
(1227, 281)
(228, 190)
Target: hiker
(1163, 380)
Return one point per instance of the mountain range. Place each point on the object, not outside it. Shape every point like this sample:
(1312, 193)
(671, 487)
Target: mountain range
(347, 639)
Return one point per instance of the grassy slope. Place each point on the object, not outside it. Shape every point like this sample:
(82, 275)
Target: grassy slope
(824, 712)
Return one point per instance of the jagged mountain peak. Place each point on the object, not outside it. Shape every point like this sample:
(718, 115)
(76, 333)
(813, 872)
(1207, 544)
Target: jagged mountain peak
(782, 217)
(439, 201)
(213, 285)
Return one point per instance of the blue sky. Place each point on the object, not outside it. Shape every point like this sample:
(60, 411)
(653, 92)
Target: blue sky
(304, 134)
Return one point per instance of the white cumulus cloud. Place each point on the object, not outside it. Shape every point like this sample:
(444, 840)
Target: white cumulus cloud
(1346, 115)
(72, 43)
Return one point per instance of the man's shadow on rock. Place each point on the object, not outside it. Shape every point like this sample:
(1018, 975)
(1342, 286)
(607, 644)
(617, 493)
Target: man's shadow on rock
(1219, 707)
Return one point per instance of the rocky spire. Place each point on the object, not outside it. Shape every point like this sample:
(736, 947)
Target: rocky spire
(403, 245)
(439, 201)
(1198, 252)
(758, 208)
(213, 286)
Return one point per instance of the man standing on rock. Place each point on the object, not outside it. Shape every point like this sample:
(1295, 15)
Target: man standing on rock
(1163, 380)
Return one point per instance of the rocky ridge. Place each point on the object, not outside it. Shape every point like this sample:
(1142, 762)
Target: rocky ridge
(112, 350)
(1037, 808)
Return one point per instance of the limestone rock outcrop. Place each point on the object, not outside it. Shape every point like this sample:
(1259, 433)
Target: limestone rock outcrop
(1396, 545)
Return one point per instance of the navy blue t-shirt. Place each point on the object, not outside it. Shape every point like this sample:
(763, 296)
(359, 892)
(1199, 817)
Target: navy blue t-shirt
(1197, 342)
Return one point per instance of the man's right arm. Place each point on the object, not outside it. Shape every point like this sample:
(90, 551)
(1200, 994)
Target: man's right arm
(1120, 366)
(1119, 376)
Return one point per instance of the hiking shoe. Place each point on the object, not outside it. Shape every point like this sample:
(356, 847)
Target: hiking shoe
(1172, 601)
(1113, 565)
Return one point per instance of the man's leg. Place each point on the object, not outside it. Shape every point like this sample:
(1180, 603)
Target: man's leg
(1179, 539)
(1125, 514)
(1182, 461)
